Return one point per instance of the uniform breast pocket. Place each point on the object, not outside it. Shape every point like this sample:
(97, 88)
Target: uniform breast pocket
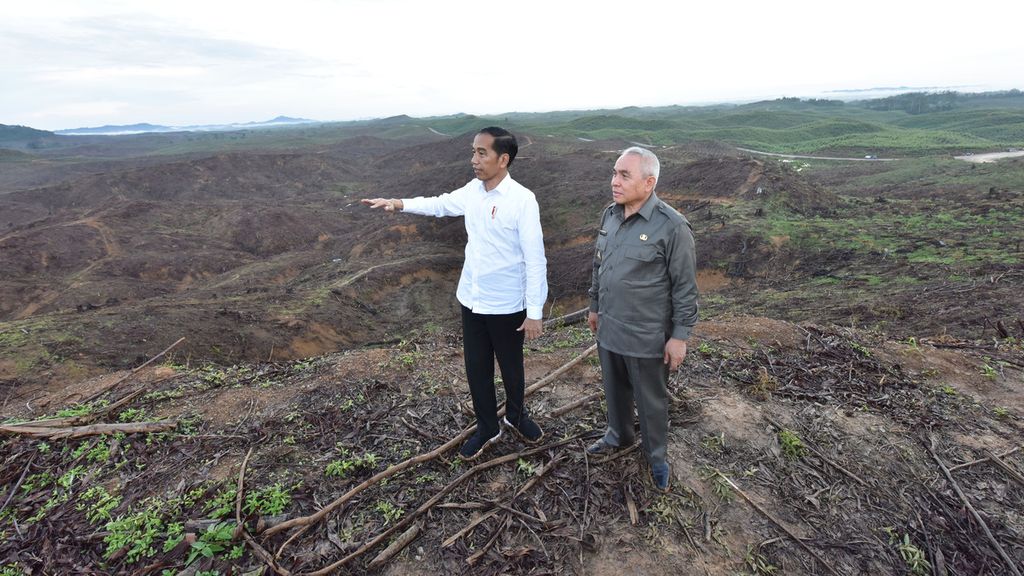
(641, 253)
(643, 265)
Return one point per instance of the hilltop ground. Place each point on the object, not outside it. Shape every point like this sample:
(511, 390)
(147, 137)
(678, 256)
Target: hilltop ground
(854, 317)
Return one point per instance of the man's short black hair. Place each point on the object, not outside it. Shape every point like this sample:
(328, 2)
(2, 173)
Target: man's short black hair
(504, 142)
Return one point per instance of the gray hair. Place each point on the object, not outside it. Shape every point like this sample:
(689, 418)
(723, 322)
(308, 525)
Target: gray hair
(649, 163)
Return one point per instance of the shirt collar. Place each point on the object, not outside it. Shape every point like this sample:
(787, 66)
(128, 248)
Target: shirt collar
(646, 210)
(502, 187)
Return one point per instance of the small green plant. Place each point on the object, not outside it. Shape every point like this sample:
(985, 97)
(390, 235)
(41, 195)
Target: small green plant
(12, 569)
(175, 534)
(989, 371)
(719, 485)
(914, 557)
(792, 447)
(339, 468)
(342, 467)
(714, 443)
(97, 504)
(913, 345)
(525, 468)
(136, 532)
(1001, 412)
(81, 409)
(133, 415)
(949, 390)
(861, 349)
(426, 478)
(389, 511)
(271, 500)
(222, 504)
(215, 540)
(758, 564)
(663, 510)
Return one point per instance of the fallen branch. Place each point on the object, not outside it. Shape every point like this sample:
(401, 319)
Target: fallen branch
(977, 517)
(57, 433)
(479, 519)
(1006, 468)
(14, 490)
(476, 556)
(574, 405)
(134, 371)
(566, 320)
(980, 460)
(75, 420)
(260, 552)
(817, 453)
(778, 523)
(425, 457)
(434, 500)
(395, 547)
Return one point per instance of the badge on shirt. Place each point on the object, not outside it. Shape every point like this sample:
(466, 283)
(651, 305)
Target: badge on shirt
(643, 237)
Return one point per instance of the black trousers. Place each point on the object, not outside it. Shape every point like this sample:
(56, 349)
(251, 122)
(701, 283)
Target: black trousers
(484, 338)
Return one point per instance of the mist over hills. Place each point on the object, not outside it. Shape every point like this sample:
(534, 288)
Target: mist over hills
(145, 128)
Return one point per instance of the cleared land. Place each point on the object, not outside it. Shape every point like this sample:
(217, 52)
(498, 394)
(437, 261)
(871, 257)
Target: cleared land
(861, 331)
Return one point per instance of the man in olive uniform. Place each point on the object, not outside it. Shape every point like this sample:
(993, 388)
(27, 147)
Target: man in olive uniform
(643, 305)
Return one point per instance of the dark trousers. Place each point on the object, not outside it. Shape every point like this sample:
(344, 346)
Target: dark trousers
(643, 381)
(484, 338)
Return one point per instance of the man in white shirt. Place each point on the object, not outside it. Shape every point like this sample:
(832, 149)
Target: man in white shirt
(503, 285)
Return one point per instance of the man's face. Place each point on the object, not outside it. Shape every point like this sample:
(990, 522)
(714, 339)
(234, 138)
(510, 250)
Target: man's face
(629, 187)
(486, 163)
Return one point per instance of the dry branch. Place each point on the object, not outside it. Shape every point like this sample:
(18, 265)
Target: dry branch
(980, 460)
(56, 433)
(434, 500)
(778, 523)
(524, 488)
(260, 552)
(425, 457)
(14, 489)
(395, 547)
(818, 453)
(1006, 468)
(134, 370)
(74, 420)
(977, 517)
(576, 404)
(571, 318)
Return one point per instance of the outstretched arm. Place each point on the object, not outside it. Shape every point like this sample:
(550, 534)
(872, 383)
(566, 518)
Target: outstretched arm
(388, 204)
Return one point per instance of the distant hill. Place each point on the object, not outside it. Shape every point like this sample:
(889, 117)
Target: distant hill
(25, 138)
(146, 128)
(15, 133)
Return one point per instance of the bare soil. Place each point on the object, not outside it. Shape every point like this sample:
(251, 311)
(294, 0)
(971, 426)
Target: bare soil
(318, 331)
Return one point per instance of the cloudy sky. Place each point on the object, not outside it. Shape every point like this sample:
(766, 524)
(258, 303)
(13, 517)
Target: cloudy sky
(72, 63)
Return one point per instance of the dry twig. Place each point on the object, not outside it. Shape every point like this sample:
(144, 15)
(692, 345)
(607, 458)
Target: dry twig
(778, 523)
(974, 513)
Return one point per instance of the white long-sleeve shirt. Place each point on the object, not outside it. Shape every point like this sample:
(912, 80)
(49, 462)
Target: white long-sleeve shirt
(505, 269)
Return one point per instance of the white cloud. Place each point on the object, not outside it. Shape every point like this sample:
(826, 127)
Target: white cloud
(192, 61)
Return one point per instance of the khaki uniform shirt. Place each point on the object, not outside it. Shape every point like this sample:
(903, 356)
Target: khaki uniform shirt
(644, 286)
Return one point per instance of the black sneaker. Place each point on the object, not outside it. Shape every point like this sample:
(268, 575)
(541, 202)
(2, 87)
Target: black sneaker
(527, 429)
(476, 445)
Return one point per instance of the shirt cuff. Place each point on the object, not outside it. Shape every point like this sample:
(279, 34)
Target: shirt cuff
(593, 306)
(681, 332)
(535, 312)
